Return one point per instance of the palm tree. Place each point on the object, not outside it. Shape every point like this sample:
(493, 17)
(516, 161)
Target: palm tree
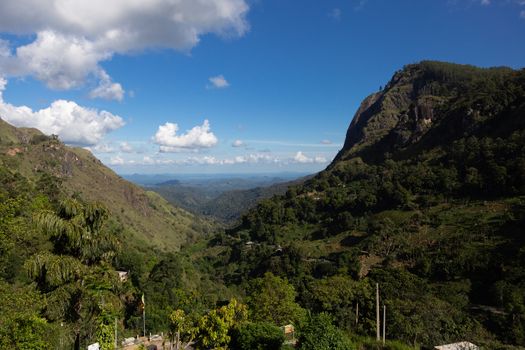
(76, 275)
(77, 230)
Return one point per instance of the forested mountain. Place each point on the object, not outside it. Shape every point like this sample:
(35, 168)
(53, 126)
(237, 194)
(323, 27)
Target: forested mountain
(67, 224)
(145, 215)
(426, 198)
(224, 200)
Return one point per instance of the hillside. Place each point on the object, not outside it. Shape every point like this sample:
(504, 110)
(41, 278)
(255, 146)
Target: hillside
(224, 200)
(426, 198)
(144, 214)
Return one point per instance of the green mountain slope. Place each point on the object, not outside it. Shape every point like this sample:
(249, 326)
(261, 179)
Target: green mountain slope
(214, 199)
(145, 215)
(426, 198)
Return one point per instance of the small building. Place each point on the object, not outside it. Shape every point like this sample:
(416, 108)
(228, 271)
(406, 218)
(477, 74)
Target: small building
(95, 346)
(123, 275)
(464, 345)
(289, 334)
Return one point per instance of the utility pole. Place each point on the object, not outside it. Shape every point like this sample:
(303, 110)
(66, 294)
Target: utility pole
(378, 335)
(356, 313)
(143, 315)
(384, 322)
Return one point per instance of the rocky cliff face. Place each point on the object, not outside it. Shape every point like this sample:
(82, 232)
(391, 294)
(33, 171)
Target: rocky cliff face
(456, 99)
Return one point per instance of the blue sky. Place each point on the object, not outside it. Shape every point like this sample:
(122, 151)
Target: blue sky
(227, 86)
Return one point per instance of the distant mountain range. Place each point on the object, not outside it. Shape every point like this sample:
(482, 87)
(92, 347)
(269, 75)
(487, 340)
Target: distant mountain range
(223, 198)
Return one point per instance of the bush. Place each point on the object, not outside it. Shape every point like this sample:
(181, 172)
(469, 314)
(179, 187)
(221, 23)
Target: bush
(257, 336)
(319, 333)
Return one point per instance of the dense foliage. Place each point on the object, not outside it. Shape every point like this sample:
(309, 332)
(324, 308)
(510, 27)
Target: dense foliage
(426, 199)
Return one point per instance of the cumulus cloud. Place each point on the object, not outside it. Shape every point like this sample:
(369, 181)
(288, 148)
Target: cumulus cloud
(107, 89)
(194, 139)
(72, 123)
(85, 33)
(219, 82)
(301, 158)
(238, 143)
(61, 61)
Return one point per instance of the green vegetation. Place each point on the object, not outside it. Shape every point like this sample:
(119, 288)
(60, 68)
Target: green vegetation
(222, 200)
(426, 199)
(258, 336)
(145, 215)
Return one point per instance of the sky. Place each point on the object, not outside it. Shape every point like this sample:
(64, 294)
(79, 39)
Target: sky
(227, 86)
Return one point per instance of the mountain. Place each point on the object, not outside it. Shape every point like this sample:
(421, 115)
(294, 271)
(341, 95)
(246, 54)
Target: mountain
(222, 199)
(230, 205)
(432, 103)
(426, 198)
(144, 214)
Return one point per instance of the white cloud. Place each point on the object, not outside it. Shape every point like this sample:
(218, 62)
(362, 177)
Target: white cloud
(107, 89)
(301, 158)
(101, 148)
(485, 2)
(126, 147)
(117, 160)
(326, 142)
(72, 37)
(255, 158)
(61, 61)
(522, 14)
(209, 160)
(238, 143)
(196, 138)
(219, 82)
(71, 122)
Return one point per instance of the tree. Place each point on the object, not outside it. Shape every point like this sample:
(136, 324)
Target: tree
(215, 327)
(338, 296)
(257, 336)
(319, 333)
(182, 331)
(272, 299)
(77, 230)
(21, 326)
(77, 279)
